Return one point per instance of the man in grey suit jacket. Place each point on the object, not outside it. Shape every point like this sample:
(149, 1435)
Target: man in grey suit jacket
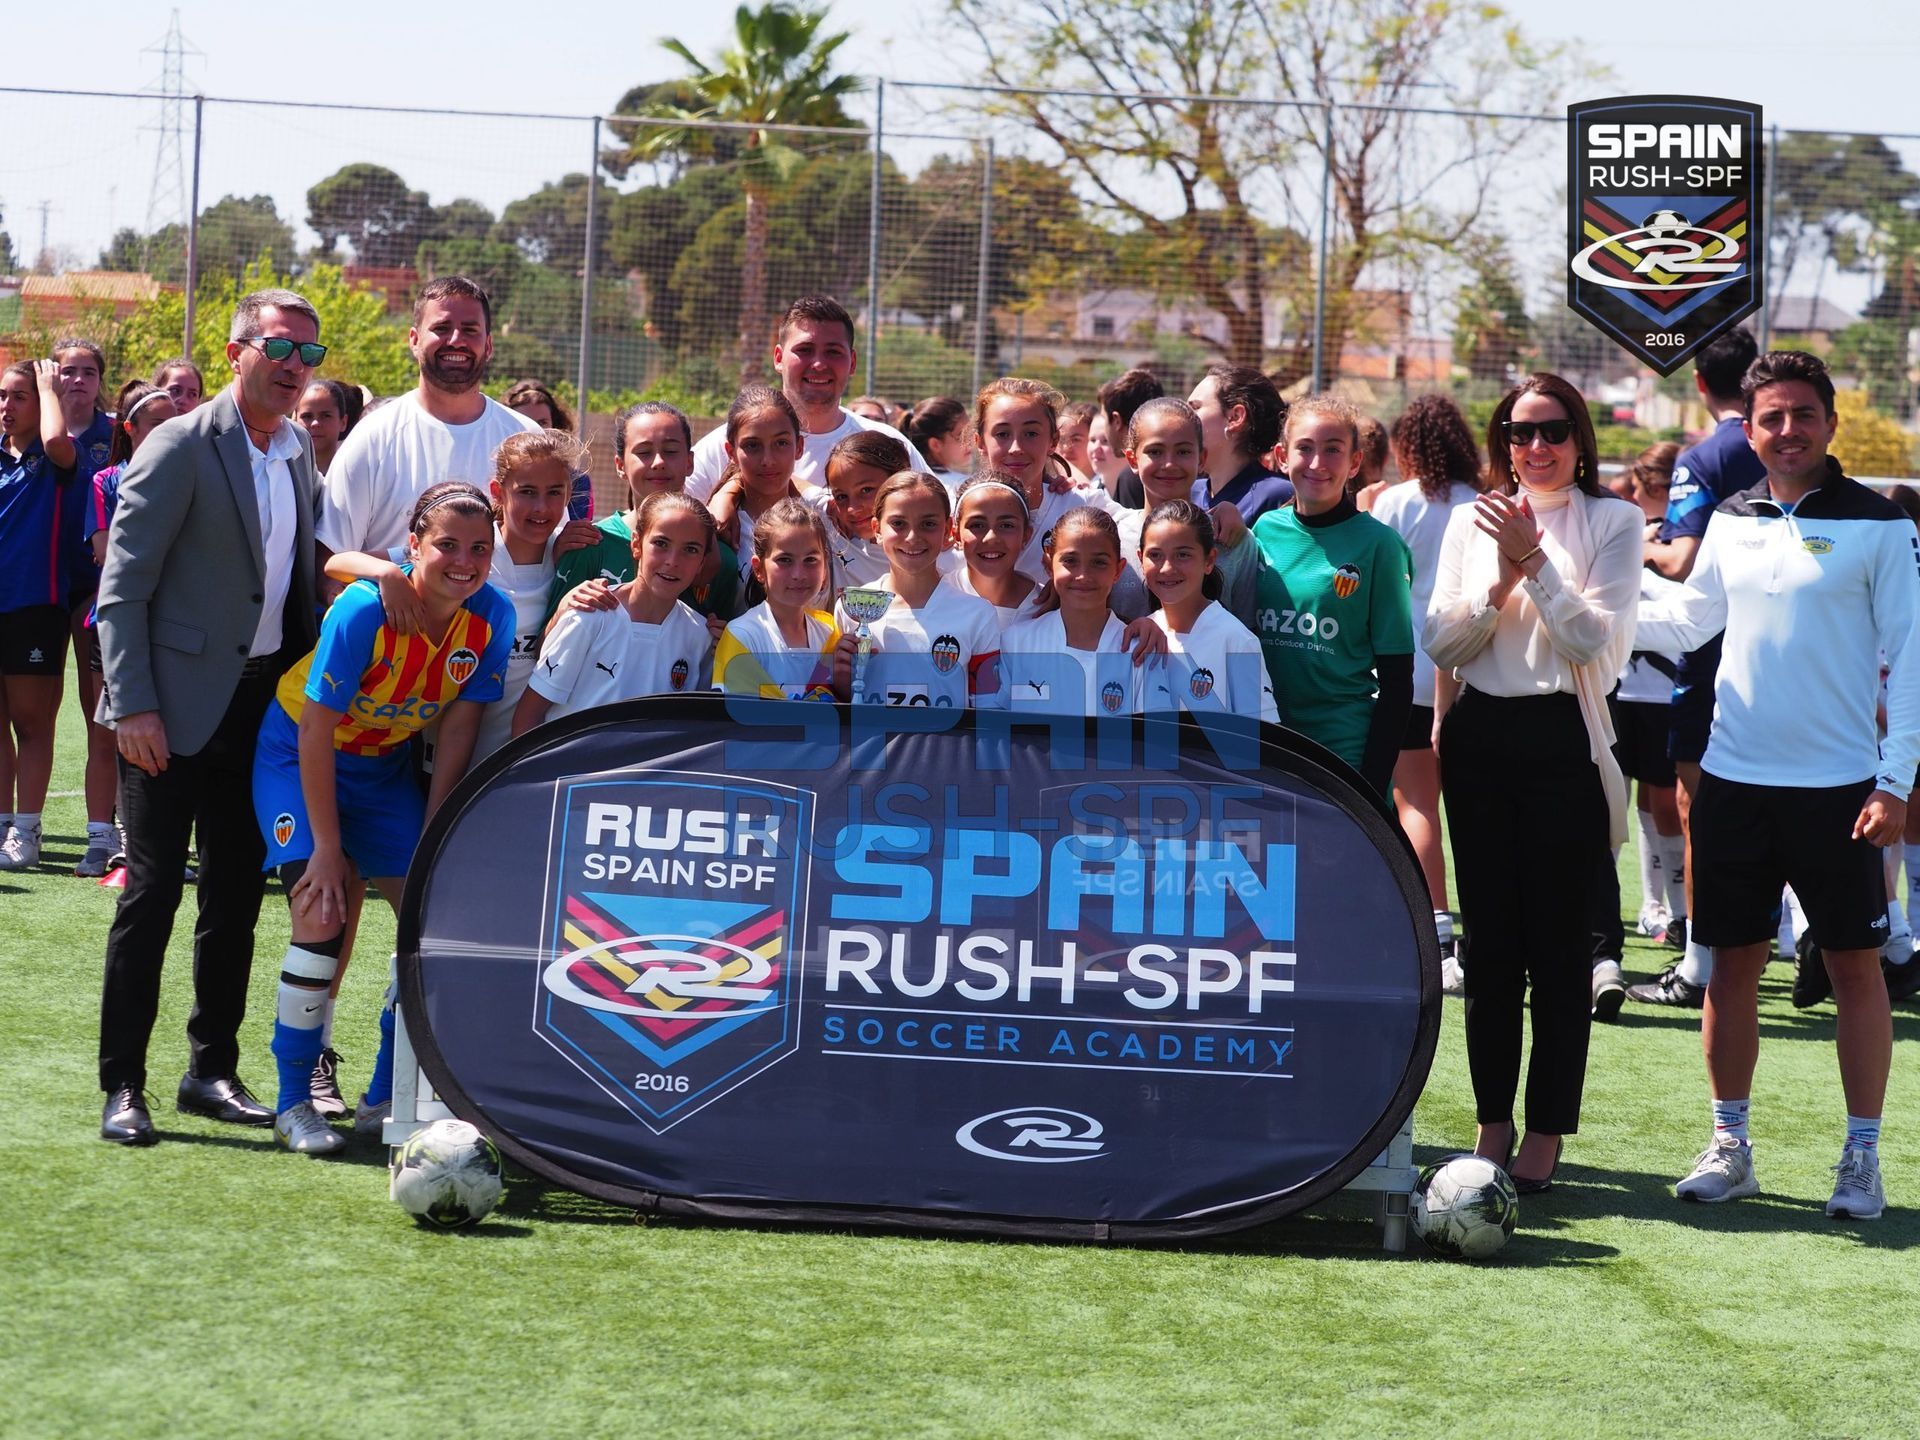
(206, 599)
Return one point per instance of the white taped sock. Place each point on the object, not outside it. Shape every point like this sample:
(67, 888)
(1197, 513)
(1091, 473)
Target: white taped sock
(1696, 966)
(1653, 886)
(304, 978)
(1673, 865)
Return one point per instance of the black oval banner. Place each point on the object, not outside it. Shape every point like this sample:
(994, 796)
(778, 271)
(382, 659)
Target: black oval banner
(1119, 978)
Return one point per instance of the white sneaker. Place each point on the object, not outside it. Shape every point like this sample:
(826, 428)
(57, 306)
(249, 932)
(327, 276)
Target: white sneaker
(1453, 978)
(1723, 1171)
(20, 850)
(371, 1119)
(303, 1131)
(1655, 919)
(1857, 1192)
(1609, 990)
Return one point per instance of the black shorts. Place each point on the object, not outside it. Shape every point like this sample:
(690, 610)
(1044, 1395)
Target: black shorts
(1641, 748)
(1689, 722)
(1750, 840)
(1419, 734)
(33, 641)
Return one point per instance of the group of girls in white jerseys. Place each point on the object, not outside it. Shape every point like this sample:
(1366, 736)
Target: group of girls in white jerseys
(1014, 586)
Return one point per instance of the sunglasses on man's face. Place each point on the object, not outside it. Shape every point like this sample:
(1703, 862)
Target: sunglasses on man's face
(1520, 433)
(277, 347)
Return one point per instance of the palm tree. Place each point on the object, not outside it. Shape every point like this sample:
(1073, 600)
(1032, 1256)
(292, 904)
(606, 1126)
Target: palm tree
(776, 72)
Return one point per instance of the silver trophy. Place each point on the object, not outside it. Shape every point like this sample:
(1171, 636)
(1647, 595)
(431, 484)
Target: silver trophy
(865, 606)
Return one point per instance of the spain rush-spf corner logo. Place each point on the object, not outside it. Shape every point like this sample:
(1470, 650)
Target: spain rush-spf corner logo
(667, 973)
(1664, 220)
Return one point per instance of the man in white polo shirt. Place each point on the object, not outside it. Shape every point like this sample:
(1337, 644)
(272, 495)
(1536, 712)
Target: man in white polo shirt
(444, 429)
(814, 356)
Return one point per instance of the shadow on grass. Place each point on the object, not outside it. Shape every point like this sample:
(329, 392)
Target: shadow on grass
(527, 1199)
(1581, 1193)
(260, 1141)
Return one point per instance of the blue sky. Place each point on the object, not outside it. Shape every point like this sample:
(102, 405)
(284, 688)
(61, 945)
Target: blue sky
(1850, 67)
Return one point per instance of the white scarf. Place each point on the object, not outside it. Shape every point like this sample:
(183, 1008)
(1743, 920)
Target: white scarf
(1571, 551)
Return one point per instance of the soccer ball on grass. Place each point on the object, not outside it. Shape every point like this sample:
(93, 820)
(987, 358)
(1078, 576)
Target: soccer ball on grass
(446, 1175)
(1464, 1207)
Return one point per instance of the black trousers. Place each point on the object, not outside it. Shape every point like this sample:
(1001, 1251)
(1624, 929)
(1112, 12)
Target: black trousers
(212, 790)
(1528, 824)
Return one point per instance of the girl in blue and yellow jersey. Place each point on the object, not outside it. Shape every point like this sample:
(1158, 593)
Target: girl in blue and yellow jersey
(333, 781)
(784, 648)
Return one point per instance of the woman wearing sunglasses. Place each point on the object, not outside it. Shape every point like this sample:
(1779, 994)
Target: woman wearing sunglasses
(1533, 609)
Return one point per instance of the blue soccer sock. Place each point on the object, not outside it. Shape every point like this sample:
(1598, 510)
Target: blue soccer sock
(1863, 1132)
(380, 1085)
(305, 975)
(1730, 1118)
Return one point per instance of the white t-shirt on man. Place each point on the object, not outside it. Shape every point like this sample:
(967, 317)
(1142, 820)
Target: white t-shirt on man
(810, 470)
(393, 456)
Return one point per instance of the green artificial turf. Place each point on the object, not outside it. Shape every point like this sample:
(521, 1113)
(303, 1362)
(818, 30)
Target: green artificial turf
(213, 1286)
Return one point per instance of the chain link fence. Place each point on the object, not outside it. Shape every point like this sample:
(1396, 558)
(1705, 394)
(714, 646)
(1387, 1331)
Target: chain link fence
(971, 231)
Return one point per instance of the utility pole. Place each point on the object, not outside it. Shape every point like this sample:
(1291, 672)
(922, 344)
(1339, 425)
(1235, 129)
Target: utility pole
(167, 195)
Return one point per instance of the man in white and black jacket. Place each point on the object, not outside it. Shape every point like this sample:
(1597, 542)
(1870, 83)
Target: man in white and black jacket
(1814, 578)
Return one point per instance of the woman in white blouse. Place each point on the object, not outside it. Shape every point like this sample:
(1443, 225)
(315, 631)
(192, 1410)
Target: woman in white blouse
(1533, 610)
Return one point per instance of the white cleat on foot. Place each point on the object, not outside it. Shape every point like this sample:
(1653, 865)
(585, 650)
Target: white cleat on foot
(1723, 1171)
(305, 1132)
(1857, 1192)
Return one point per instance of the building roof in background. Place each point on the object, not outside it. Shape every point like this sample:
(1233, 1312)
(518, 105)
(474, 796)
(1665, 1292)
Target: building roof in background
(119, 286)
(1806, 314)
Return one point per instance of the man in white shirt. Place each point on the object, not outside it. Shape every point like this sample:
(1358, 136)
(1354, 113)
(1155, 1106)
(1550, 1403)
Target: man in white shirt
(815, 359)
(445, 429)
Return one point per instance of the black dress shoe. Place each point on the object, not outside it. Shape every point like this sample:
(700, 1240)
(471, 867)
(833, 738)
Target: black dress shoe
(1538, 1185)
(221, 1097)
(125, 1120)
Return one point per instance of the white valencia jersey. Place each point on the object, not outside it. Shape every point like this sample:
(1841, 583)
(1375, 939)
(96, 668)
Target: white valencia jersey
(961, 579)
(1039, 671)
(600, 657)
(928, 656)
(1810, 598)
(1217, 665)
(527, 586)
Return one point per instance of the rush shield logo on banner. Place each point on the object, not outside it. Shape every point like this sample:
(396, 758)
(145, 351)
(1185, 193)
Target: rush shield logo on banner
(949, 969)
(1665, 244)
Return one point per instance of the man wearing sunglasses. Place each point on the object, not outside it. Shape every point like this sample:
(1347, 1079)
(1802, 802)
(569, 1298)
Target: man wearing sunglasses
(205, 598)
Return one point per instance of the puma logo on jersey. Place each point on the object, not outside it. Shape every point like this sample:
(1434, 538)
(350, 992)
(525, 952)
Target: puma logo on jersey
(608, 668)
(551, 664)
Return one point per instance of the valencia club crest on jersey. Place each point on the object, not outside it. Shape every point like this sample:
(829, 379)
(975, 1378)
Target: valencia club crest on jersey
(1346, 580)
(282, 828)
(461, 664)
(1112, 696)
(677, 676)
(1200, 683)
(946, 654)
(1664, 207)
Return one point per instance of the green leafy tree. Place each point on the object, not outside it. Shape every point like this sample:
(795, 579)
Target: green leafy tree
(371, 210)
(1490, 325)
(777, 71)
(234, 232)
(1222, 179)
(9, 263)
(365, 346)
